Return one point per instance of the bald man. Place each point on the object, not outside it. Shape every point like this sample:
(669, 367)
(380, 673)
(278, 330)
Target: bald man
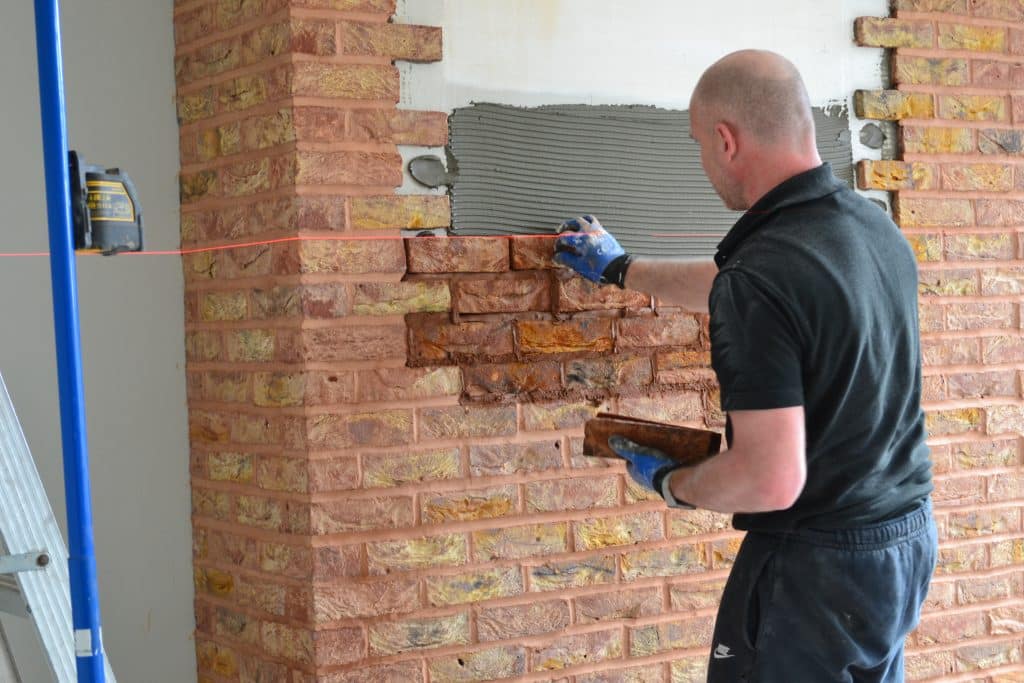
(814, 339)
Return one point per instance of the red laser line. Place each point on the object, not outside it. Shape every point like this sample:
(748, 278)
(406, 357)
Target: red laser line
(318, 238)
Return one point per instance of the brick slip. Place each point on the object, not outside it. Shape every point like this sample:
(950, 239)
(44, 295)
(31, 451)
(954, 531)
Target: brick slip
(696, 522)
(983, 385)
(920, 666)
(518, 542)
(973, 108)
(508, 661)
(514, 458)
(950, 6)
(1000, 212)
(370, 342)
(513, 293)
(723, 553)
(652, 673)
(499, 501)
(985, 454)
(349, 258)
(535, 252)
(547, 416)
(193, 24)
(874, 32)
(960, 559)
(407, 672)
(943, 629)
(397, 41)
(694, 596)
(930, 70)
(448, 550)
(956, 421)
(686, 633)
(577, 294)
(1007, 10)
(997, 74)
(348, 168)
(1004, 419)
(575, 573)
(1002, 349)
(893, 105)
(457, 254)
(577, 649)
(402, 127)
(973, 38)
(948, 283)
(461, 422)
(970, 247)
(920, 213)
(624, 604)
(988, 589)
(938, 140)
(571, 494)
(519, 621)
(473, 587)
(605, 532)
(404, 384)
(613, 375)
(895, 175)
(1007, 553)
(981, 316)
(348, 81)
(975, 524)
(359, 514)
(579, 335)
(236, 467)
(1006, 620)
(987, 656)
(335, 474)
(680, 559)
(399, 298)
(971, 177)
(1000, 141)
(653, 331)
(676, 408)
(401, 211)
(434, 340)
(385, 7)
(378, 428)
(959, 491)
(418, 634)
(512, 380)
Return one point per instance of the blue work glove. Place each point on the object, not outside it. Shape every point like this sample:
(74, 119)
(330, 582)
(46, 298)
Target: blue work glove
(591, 251)
(649, 467)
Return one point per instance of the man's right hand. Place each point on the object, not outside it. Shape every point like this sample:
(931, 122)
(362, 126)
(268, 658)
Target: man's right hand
(589, 249)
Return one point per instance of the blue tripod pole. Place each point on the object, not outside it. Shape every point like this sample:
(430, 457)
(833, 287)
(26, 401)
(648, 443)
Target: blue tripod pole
(85, 604)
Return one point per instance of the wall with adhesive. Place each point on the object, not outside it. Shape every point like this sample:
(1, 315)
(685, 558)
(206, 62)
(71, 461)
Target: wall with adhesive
(535, 52)
(119, 79)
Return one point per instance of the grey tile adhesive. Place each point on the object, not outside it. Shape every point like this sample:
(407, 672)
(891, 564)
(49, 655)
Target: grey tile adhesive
(523, 171)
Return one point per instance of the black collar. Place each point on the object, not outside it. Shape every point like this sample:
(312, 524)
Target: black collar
(803, 187)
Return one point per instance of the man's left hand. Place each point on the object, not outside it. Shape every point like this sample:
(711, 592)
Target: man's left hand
(648, 466)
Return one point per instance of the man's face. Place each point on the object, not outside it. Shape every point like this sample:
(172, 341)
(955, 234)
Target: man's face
(714, 160)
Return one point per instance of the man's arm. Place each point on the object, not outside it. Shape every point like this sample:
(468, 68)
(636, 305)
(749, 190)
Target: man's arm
(764, 470)
(684, 282)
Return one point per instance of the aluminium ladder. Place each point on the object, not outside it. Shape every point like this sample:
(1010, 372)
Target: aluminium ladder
(34, 580)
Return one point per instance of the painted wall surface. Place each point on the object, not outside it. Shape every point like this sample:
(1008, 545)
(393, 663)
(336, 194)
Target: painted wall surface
(119, 76)
(534, 52)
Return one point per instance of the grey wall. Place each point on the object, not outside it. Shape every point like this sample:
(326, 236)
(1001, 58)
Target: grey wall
(118, 61)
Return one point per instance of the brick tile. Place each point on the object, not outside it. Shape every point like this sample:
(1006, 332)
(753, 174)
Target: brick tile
(974, 38)
(931, 71)
(885, 32)
(893, 105)
(411, 212)
(458, 254)
(519, 621)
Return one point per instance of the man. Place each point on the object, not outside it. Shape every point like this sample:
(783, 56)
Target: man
(814, 340)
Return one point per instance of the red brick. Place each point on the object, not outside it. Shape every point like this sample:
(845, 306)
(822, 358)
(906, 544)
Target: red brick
(371, 342)
(572, 494)
(1007, 10)
(521, 621)
(576, 649)
(511, 458)
(691, 632)
(348, 168)
(895, 175)
(885, 32)
(983, 384)
(978, 316)
(438, 508)
(401, 127)
(917, 213)
(952, 351)
(930, 70)
(893, 105)
(466, 422)
(578, 294)
(533, 252)
(379, 428)
(403, 384)
(458, 254)
(333, 256)
(974, 38)
(653, 331)
(614, 605)
(579, 335)
(941, 629)
(611, 375)
(950, 6)
(406, 672)
(975, 524)
(987, 656)
(346, 81)
(410, 212)
(360, 514)
(336, 474)
(193, 24)
(397, 41)
(514, 379)
(971, 177)
(434, 339)
(505, 294)
(979, 246)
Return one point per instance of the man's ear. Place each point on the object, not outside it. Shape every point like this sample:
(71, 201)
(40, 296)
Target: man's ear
(725, 138)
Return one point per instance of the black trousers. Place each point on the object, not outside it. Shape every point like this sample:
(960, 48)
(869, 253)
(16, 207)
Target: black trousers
(814, 606)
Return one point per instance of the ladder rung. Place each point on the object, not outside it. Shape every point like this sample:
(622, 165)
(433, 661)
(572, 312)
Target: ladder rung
(24, 562)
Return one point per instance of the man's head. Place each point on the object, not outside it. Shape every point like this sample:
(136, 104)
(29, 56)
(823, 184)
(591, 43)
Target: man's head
(752, 117)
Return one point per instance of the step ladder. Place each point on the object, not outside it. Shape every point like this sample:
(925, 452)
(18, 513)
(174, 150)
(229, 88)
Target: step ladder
(34, 581)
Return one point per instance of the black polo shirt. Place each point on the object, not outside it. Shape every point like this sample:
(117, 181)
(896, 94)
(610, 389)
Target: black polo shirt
(815, 304)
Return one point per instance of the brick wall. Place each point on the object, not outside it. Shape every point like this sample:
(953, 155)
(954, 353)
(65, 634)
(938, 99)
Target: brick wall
(956, 67)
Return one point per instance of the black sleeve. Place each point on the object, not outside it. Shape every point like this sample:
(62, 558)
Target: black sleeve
(755, 349)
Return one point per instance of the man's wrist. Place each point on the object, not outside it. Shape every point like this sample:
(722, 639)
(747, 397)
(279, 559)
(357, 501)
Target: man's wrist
(663, 485)
(615, 272)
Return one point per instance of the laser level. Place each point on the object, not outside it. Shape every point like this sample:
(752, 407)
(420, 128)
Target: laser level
(104, 208)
